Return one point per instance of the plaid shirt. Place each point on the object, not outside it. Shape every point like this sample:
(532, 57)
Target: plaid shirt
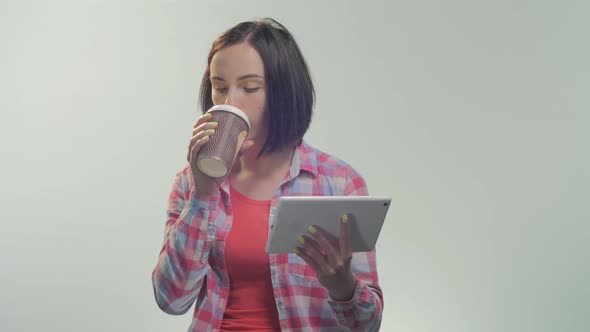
(191, 266)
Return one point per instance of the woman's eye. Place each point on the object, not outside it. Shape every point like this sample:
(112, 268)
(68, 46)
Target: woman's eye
(251, 90)
(220, 90)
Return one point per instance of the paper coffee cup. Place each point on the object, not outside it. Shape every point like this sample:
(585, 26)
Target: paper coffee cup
(217, 156)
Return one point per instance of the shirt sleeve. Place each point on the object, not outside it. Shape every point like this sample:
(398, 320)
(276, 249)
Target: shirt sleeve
(364, 311)
(189, 234)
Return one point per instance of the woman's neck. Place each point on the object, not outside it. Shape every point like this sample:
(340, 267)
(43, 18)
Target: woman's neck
(264, 166)
(259, 178)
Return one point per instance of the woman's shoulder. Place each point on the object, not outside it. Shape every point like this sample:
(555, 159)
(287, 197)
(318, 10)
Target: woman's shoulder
(185, 171)
(337, 176)
(183, 178)
(326, 163)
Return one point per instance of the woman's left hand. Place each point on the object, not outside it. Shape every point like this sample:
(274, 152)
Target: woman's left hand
(330, 258)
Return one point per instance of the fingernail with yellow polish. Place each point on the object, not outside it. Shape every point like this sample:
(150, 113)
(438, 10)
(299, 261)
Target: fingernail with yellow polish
(210, 131)
(296, 251)
(301, 240)
(344, 218)
(311, 229)
(213, 124)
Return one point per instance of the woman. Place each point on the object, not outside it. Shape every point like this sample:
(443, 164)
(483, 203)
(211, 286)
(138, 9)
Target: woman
(213, 253)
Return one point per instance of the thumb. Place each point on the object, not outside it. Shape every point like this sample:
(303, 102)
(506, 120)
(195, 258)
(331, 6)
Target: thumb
(247, 145)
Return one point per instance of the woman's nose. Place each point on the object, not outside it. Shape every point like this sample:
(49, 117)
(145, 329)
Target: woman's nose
(233, 98)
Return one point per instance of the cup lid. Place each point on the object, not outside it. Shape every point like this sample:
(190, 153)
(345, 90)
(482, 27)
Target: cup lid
(231, 109)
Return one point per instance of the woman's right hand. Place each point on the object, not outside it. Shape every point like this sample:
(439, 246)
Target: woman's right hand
(201, 132)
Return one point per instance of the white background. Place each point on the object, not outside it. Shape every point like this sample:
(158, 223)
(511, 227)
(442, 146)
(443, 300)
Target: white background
(472, 115)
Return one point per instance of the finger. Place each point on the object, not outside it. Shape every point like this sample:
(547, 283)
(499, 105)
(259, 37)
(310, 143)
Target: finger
(313, 249)
(320, 235)
(204, 118)
(200, 135)
(345, 249)
(204, 126)
(301, 252)
(194, 149)
(200, 130)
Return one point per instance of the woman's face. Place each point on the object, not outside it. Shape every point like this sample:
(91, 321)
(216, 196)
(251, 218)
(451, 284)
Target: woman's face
(237, 79)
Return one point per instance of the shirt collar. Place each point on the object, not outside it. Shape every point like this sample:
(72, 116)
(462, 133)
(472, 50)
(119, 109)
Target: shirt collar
(304, 159)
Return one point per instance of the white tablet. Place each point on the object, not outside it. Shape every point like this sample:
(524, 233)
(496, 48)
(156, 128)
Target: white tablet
(295, 213)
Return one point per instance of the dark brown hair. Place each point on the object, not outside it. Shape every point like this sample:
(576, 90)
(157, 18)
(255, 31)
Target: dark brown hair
(290, 94)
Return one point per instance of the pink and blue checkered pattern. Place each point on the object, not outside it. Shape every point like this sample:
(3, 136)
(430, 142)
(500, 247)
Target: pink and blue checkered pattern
(191, 266)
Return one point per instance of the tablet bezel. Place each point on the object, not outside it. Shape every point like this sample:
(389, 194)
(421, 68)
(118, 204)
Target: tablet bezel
(295, 213)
